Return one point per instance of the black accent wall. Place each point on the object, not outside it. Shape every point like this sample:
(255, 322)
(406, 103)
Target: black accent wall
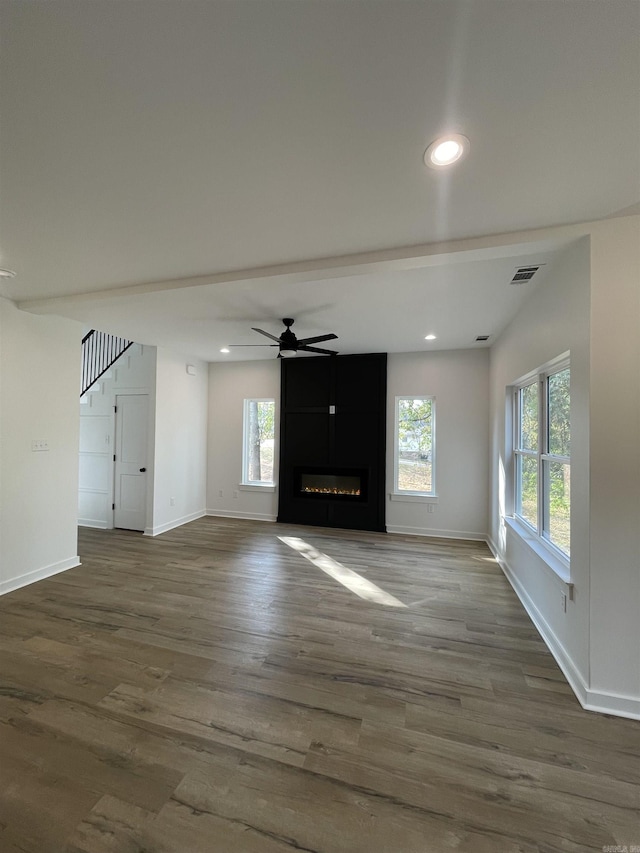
(354, 437)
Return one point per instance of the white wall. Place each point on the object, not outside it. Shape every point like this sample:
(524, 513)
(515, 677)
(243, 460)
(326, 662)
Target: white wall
(229, 385)
(133, 373)
(180, 455)
(459, 380)
(555, 319)
(615, 465)
(39, 388)
(590, 306)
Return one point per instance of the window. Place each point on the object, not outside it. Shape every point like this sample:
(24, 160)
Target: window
(415, 445)
(542, 450)
(259, 440)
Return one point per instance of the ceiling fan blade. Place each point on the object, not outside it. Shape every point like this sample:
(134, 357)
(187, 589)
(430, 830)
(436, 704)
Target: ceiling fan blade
(268, 334)
(317, 349)
(317, 339)
(252, 345)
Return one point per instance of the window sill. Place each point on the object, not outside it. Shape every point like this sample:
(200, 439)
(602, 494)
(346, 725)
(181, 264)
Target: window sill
(410, 497)
(558, 566)
(257, 487)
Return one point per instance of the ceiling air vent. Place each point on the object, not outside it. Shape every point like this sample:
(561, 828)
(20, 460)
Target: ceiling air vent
(483, 337)
(523, 274)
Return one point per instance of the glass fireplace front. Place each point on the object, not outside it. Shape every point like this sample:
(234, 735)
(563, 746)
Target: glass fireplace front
(348, 483)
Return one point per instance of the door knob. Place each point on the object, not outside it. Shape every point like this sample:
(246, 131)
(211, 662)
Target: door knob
(142, 470)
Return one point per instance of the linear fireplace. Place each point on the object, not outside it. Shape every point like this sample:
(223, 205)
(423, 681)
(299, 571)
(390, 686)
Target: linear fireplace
(331, 483)
(332, 441)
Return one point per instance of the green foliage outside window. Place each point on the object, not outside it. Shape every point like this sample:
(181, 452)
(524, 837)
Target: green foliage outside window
(528, 481)
(559, 474)
(415, 444)
(260, 440)
(559, 405)
(554, 440)
(529, 417)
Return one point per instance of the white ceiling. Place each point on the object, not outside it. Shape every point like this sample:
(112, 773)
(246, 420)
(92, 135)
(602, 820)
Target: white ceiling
(386, 311)
(148, 141)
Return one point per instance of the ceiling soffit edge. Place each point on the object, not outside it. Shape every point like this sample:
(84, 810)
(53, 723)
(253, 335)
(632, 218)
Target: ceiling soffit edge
(510, 244)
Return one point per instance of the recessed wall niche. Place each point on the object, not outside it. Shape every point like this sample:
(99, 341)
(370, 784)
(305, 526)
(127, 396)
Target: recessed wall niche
(332, 441)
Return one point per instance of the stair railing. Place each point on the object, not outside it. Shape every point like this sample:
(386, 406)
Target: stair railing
(99, 351)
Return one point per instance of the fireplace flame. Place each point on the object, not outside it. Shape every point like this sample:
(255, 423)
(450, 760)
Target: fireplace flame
(317, 490)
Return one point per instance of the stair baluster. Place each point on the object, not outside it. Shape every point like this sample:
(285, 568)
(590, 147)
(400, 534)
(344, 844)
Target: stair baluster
(99, 351)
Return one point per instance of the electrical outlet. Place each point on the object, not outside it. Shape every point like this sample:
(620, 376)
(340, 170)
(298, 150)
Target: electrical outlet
(39, 444)
(220, 493)
(431, 507)
(172, 501)
(235, 495)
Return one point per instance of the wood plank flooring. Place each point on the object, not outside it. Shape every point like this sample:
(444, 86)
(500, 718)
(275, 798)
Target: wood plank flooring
(213, 691)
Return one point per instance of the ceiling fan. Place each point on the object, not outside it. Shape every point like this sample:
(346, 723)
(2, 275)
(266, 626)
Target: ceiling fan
(290, 345)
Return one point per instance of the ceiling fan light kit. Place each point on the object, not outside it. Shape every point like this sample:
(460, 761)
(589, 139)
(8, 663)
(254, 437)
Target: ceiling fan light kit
(289, 345)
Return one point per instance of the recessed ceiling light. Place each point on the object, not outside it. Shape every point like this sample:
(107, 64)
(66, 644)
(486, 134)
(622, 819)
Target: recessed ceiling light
(446, 151)
(430, 337)
(7, 274)
(225, 349)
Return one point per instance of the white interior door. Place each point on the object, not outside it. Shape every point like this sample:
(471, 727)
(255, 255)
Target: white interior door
(130, 493)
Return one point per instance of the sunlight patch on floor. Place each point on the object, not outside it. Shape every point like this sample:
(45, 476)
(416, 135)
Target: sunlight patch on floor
(347, 577)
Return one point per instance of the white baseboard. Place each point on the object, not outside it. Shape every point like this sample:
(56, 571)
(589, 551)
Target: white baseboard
(613, 703)
(93, 522)
(249, 516)
(38, 574)
(563, 659)
(591, 700)
(436, 534)
(176, 522)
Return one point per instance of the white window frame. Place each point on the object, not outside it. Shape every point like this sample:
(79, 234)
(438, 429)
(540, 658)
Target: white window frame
(560, 560)
(405, 494)
(245, 482)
